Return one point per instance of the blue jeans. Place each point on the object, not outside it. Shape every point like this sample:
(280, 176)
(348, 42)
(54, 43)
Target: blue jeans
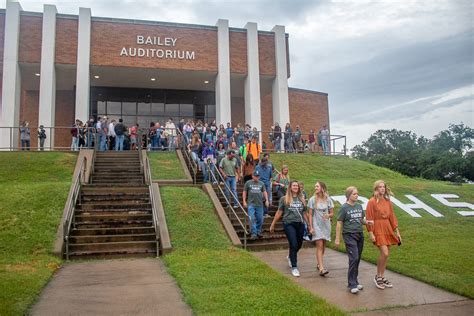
(102, 142)
(325, 145)
(277, 144)
(75, 143)
(354, 246)
(230, 181)
(119, 142)
(294, 234)
(268, 188)
(256, 219)
(154, 142)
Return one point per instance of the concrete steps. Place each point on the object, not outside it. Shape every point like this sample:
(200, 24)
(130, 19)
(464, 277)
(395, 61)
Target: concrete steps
(114, 217)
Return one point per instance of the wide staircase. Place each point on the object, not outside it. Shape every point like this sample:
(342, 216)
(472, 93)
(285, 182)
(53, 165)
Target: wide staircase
(114, 215)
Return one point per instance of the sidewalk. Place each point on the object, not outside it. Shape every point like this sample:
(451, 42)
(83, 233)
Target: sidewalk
(112, 287)
(408, 296)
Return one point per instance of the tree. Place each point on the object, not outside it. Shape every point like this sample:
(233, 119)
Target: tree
(448, 156)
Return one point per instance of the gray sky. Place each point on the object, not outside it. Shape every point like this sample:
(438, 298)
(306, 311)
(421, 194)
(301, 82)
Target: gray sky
(385, 64)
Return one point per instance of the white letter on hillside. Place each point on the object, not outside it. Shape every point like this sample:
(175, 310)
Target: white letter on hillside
(416, 205)
(442, 199)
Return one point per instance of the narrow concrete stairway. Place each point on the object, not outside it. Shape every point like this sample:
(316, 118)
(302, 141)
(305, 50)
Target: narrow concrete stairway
(114, 217)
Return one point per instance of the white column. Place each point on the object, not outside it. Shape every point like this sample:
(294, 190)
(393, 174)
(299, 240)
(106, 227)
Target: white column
(10, 102)
(281, 110)
(223, 101)
(47, 93)
(83, 65)
(252, 81)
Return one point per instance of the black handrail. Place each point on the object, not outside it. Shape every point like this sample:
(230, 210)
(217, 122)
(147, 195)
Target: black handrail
(216, 180)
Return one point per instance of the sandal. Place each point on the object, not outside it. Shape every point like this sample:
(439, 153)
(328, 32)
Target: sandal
(323, 272)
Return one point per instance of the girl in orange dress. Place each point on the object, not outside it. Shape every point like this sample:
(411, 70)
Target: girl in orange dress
(383, 229)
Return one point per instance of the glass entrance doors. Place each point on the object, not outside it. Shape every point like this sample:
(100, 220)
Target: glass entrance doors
(143, 106)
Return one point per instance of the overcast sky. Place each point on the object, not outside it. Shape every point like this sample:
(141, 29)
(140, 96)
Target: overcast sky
(385, 64)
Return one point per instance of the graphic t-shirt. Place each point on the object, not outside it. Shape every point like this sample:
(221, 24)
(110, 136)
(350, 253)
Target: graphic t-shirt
(293, 212)
(254, 192)
(351, 217)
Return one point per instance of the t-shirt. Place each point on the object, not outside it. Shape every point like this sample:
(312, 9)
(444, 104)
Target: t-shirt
(254, 192)
(228, 165)
(351, 217)
(292, 213)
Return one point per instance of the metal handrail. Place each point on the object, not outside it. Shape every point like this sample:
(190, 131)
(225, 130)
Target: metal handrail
(151, 190)
(71, 203)
(185, 152)
(216, 181)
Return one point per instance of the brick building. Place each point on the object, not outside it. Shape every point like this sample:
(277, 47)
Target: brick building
(57, 67)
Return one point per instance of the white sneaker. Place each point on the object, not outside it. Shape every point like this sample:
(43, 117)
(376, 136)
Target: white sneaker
(360, 287)
(289, 261)
(355, 290)
(295, 272)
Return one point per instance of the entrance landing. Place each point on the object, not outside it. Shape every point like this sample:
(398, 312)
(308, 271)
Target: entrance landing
(407, 297)
(112, 287)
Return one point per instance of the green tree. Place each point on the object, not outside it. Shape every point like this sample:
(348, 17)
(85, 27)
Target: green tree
(448, 156)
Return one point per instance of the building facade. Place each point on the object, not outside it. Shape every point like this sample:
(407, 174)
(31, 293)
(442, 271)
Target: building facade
(57, 67)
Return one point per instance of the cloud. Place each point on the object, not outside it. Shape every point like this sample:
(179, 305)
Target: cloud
(454, 106)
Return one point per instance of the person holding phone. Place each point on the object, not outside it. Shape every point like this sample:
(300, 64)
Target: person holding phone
(383, 229)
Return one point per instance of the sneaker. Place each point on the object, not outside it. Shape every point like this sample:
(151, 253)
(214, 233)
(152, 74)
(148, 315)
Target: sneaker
(387, 283)
(379, 282)
(289, 261)
(354, 290)
(260, 236)
(267, 216)
(236, 206)
(360, 287)
(253, 237)
(295, 272)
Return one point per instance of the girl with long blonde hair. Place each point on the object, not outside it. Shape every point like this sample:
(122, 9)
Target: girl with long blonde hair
(321, 210)
(383, 229)
(350, 220)
(291, 209)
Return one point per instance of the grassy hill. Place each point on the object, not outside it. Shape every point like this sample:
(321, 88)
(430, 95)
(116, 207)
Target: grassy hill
(434, 250)
(33, 190)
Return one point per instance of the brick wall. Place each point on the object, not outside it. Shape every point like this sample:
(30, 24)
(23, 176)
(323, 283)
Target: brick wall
(29, 108)
(30, 39)
(238, 52)
(108, 38)
(266, 54)
(66, 41)
(308, 109)
(237, 111)
(65, 107)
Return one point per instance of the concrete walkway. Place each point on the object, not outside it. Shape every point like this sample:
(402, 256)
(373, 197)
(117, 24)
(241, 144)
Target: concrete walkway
(112, 287)
(408, 296)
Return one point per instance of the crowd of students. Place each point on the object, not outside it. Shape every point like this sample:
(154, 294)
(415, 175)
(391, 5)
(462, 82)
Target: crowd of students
(315, 214)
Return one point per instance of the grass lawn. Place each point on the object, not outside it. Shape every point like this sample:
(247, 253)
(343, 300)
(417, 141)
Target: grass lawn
(217, 278)
(33, 190)
(438, 251)
(165, 166)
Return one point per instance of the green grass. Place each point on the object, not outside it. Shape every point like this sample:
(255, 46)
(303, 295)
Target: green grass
(33, 190)
(217, 278)
(165, 166)
(435, 250)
